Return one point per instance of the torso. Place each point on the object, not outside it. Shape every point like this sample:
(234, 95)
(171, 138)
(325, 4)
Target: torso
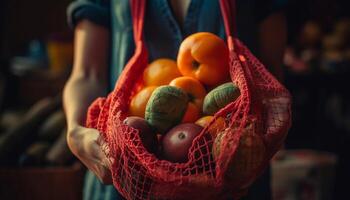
(167, 23)
(180, 8)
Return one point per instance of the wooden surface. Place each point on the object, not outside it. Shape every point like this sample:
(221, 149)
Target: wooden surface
(56, 183)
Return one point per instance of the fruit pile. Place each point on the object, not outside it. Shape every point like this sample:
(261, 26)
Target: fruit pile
(203, 125)
(179, 99)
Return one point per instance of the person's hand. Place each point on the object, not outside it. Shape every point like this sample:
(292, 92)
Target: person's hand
(85, 143)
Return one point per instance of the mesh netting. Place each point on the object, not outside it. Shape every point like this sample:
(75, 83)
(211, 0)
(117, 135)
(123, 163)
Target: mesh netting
(256, 125)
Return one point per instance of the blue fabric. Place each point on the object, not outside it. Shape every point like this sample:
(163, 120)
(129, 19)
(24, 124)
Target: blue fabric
(162, 32)
(163, 36)
(94, 190)
(96, 11)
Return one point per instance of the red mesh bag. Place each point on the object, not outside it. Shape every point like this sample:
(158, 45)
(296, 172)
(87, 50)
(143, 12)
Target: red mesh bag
(221, 168)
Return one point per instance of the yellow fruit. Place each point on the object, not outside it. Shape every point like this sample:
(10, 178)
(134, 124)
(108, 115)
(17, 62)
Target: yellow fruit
(160, 72)
(139, 101)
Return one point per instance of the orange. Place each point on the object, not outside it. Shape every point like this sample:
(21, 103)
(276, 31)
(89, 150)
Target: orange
(192, 113)
(196, 93)
(215, 128)
(205, 57)
(195, 90)
(139, 101)
(160, 72)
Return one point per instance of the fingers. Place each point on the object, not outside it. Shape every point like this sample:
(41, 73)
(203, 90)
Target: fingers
(103, 164)
(105, 152)
(89, 147)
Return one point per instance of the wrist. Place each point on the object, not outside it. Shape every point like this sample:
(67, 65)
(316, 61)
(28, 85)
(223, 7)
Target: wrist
(71, 126)
(74, 138)
(74, 123)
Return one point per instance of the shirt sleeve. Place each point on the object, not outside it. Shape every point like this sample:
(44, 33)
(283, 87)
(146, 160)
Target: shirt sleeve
(97, 11)
(263, 8)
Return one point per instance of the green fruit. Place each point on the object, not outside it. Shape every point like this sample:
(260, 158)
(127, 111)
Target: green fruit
(166, 108)
(219, 97)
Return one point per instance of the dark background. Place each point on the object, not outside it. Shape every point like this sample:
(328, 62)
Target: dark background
(22, 21)
(321, 110)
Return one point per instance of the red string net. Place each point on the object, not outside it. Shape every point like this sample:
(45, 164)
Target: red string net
(256, 125)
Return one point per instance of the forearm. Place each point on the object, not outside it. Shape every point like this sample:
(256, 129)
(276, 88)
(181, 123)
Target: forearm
(87, 82)
(80, 91)
(89, 75)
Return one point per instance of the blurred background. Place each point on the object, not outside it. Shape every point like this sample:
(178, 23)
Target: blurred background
(36, 53)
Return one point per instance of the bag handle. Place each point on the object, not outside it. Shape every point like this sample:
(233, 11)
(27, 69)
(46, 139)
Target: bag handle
(138, 12)
(228, 11)
(137, 8)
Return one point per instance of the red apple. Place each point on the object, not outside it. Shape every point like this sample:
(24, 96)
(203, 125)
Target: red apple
(147, 136)
(178, 141)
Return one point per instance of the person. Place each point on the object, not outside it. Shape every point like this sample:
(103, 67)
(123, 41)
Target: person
(104, 43)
